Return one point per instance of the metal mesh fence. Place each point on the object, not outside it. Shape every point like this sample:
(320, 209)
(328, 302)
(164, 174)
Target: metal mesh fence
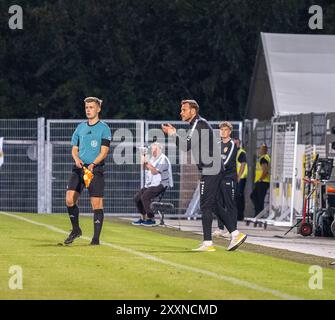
(18, 174)
(174, 195)
(312, 127)
(37, 166)
(35, 172)
(283, 175)
(255, 133)
(311, 136)
(264, 134)
(290, 160)
(185, 175)
(121, 181)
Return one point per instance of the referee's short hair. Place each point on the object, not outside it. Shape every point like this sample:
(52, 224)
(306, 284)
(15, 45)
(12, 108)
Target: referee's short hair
(193, 104)
(93, 99)
(226, 124)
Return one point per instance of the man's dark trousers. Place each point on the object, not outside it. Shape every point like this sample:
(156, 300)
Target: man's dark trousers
(258, 195)
(226, 204)
(144, 197)
(240, 200)
(209, 185)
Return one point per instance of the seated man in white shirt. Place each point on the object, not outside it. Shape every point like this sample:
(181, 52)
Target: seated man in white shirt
(158, 176)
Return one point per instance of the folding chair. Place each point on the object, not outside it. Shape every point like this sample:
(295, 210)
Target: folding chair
(161, 208)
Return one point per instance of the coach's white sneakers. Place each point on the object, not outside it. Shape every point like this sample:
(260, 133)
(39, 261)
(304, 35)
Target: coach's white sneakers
(205, 247)
(237, 241)
(221, 233)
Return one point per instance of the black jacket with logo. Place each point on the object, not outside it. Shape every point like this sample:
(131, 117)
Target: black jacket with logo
(201, 150)
(228, 156)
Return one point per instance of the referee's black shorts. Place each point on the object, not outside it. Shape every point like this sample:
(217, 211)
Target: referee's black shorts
(97, 185)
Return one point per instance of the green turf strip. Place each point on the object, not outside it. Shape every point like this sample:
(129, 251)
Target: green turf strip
(80, 271)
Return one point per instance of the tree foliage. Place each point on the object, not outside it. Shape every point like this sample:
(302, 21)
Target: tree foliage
(140, 57)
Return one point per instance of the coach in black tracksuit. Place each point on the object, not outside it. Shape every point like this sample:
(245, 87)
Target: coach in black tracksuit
(228, 181)
(200, 140)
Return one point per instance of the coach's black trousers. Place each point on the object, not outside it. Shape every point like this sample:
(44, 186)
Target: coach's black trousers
(258, 196)
(226, 204)
(209, 185)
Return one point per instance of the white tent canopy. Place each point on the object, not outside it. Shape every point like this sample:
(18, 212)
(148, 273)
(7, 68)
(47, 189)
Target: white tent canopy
(301, 70)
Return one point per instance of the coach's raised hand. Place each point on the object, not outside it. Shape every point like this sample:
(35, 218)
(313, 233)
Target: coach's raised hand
(169, 129)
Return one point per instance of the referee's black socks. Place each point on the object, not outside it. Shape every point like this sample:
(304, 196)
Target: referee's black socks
(98, 219)
(74, 217)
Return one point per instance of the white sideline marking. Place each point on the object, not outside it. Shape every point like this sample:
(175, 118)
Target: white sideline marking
(229, 279)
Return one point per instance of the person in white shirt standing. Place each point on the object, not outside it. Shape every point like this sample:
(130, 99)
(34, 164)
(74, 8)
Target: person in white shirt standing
(158, 176)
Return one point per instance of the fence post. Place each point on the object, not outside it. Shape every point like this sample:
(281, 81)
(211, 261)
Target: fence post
(40, 165)
(48, 172)
(141, 132)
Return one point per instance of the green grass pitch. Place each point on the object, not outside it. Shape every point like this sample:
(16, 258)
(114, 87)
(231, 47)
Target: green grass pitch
(141, 263)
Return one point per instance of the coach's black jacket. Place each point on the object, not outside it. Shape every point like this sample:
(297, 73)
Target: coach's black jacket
(200, 140)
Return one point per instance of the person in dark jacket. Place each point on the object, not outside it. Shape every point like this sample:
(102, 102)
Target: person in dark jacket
(242, 173)
(200, 140)
(226, 197)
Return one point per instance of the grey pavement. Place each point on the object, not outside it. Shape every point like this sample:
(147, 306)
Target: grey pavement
(270, 237)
